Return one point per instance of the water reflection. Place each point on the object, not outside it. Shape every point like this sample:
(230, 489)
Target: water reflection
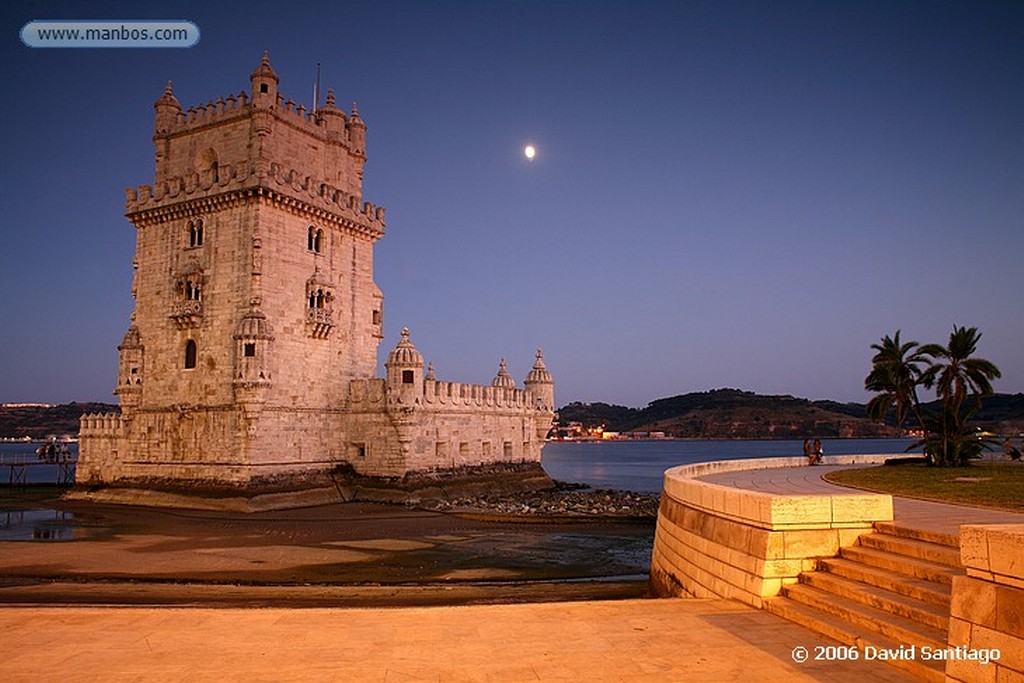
(37, 525)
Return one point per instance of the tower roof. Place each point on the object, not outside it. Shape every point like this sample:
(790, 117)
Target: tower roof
(132, 339)
(404, 353)
(356, 119)
(168, 98)
(503, 379)
(264, 70)
(539, 373)
(253, 325)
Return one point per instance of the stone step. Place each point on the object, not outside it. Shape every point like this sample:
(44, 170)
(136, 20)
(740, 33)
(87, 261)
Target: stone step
(909, 547)
(865, 617)
(900, 564)
(930, 592)
(935, 616)
(846, 633)
(937, 537)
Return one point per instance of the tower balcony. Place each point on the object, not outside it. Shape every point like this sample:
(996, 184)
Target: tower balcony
(186, 314)
(320, 321)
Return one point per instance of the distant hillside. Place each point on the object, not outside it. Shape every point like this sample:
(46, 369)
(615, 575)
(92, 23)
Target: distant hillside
(731, 413)
(1000, 413)
(40, 422)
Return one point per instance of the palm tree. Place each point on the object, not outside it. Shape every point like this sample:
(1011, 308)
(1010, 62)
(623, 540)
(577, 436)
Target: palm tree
(955, 374)
(895, 373)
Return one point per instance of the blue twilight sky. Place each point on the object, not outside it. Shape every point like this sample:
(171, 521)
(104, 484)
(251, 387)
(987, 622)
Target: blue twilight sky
(725, 194)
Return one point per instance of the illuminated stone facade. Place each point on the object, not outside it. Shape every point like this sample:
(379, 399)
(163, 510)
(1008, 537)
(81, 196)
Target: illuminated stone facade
(252, 351)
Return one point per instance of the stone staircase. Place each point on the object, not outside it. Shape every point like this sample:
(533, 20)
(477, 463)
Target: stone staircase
(892, 589)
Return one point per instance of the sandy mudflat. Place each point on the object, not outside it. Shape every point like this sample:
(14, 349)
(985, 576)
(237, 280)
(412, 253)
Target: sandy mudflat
(335, 555)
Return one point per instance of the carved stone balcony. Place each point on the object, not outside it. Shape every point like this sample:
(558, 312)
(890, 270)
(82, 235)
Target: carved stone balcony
(187, 314)
(319, 321)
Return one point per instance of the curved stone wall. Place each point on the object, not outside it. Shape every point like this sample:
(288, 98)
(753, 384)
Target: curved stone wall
(721, 541)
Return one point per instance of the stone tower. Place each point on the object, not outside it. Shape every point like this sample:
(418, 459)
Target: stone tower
(251, 355)
(253, 287)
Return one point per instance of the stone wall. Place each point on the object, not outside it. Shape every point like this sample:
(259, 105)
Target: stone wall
(721, 541)
(987, 605)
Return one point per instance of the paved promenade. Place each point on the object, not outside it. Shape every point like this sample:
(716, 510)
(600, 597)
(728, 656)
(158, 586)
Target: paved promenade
(920, 514)
(629, 641)
(594, 641)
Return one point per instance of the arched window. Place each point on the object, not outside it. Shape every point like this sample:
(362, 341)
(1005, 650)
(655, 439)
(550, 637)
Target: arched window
(192, 291)
(195, 233)
(318, 298)
(315, 240)
(190, 354)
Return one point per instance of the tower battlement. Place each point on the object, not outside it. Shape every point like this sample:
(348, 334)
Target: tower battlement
(328, 122)
(316, 192)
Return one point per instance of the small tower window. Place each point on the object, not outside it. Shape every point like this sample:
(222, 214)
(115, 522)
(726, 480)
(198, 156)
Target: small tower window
(192, 291)
(315, 240)
(195, 233)
(190, 354)
(408, 377)
(264, 87)
(376, 317)
(249, 350)
(319, 298)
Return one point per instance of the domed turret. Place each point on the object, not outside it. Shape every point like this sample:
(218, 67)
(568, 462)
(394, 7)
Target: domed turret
(129, 369)
(333, 117)
(404, 354)
(253, 325)
(405, 370)
(132, 339)
(252, 374)
(167, 110)
(357, 132)
(540, 383)
(503, 379)
(264, 84)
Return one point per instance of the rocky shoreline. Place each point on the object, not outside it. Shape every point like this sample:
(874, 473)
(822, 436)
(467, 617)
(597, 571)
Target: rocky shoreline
(564, 501)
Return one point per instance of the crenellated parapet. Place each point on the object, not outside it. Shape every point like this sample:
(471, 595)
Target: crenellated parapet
(323, 195)
(329, 123)
(312, 191)
(100, 424)
(214, 111)
(459, 395)
(180, 188)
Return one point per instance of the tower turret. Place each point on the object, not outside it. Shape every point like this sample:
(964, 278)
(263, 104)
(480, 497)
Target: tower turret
(503, 379)
(167, 109)
(264, 84)
(129, 370)
(540, 384)
(253, 337)
(333, 117)
(405, 373)
(357, 132)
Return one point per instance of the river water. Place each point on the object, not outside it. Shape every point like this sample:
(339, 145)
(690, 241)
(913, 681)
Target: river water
(620, 465)
(638, 465)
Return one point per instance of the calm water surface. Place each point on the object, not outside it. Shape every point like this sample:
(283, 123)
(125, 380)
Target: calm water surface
(621, 465)
(639, 465)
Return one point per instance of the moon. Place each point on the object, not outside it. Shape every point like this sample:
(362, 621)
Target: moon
(529, 152)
